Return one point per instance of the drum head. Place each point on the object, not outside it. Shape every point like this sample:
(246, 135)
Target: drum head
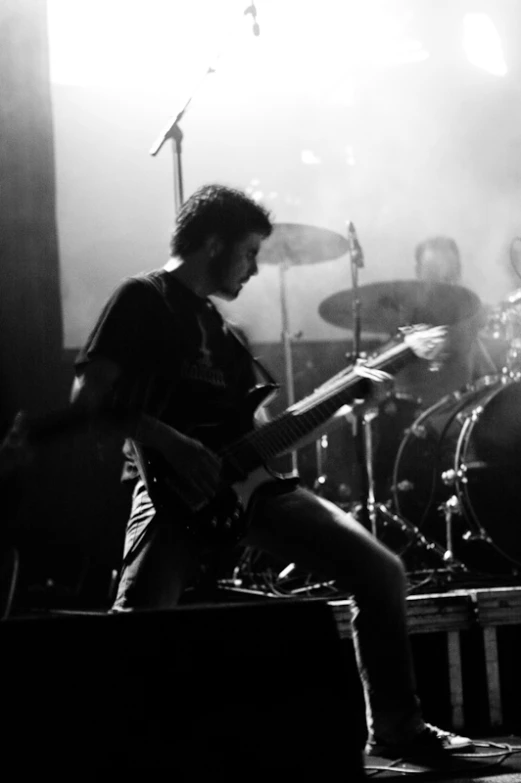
(468, 448)
(490, 459)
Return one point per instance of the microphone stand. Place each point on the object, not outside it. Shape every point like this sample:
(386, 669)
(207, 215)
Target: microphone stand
(361, 422)
(173, 131)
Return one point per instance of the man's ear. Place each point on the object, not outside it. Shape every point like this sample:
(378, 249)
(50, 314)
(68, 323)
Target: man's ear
(214, 245)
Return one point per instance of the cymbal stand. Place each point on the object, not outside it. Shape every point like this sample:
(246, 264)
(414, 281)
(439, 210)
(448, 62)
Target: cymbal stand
(368, 455)
(361, 423)
(284, 266)
(356, 258)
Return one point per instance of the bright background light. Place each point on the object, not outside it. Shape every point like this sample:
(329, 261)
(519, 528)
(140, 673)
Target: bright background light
(363, 110)
(482, 44)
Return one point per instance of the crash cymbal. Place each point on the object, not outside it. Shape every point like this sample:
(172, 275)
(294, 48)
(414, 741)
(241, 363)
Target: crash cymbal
(386, 306)
(297, 243)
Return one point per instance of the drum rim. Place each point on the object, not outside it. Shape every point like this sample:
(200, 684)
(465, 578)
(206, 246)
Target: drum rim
(490, 386)
(461, 484)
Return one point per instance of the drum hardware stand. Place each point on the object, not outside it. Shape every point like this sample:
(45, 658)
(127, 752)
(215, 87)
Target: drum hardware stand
(368, 455)
(287, 338)
(448, 509)
(361, 422)
(366, 452)
(451, 507)
(321, 447)
(417, 537)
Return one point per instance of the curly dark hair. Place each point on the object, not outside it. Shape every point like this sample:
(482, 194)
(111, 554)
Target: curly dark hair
(220, 210)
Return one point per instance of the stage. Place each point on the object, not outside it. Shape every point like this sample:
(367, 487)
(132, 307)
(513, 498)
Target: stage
(267, 684)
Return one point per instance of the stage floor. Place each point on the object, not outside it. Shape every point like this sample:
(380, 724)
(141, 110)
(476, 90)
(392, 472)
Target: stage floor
(494, 760)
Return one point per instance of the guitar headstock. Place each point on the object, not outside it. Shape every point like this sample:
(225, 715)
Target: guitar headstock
(426, 342)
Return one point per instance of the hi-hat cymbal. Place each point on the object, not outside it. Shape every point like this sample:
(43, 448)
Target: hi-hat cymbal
(297, 243)
(386, 306)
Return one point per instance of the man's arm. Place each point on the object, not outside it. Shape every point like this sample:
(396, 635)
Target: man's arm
(90, 395)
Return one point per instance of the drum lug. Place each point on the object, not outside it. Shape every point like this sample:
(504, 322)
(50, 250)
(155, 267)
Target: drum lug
(451, 506)
(404, 486)
(449, 477)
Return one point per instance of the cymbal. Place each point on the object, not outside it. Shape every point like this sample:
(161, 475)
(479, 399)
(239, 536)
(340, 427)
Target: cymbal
(388, 305)
(297, 243)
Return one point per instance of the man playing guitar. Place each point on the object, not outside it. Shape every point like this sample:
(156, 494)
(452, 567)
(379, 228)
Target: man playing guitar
(176, 379)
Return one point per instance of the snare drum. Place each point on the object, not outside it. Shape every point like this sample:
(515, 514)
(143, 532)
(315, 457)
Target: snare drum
(467, 448)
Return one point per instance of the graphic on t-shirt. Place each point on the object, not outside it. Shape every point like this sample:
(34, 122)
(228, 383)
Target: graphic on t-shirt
(205, 353)
(204, 368)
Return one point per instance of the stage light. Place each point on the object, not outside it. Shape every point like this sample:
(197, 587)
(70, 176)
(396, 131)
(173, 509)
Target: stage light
(482, 44)
(309, 158)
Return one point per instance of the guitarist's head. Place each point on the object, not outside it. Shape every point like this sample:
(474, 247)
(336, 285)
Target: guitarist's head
(218, 235)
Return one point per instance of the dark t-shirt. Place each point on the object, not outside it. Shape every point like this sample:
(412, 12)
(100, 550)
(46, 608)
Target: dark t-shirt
(179, 359)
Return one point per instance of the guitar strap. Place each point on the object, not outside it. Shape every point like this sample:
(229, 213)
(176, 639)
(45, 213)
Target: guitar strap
(265, 374)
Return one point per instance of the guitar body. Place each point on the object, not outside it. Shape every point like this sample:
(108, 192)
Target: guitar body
(223, 519)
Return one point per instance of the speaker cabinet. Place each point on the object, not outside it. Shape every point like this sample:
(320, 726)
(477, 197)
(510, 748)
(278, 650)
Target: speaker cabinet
(207, 692)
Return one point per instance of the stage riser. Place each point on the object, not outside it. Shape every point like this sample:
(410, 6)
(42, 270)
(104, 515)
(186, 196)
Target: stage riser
(271, 685)
(197, 691)
(465, 644)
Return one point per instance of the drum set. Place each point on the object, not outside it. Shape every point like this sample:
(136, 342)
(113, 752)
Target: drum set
(442, 473)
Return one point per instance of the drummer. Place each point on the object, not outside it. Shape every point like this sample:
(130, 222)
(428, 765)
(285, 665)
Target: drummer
(438, 261)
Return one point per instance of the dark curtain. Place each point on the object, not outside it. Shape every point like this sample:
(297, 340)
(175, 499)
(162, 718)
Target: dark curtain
(30, 308)
(65, 511)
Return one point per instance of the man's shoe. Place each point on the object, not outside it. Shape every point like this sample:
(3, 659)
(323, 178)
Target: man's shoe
(430, 742)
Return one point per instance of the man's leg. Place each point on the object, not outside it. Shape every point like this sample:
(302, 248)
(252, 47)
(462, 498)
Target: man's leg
(157, 561)
(317, 535)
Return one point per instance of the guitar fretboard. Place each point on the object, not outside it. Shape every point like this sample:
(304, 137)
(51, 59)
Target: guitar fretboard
(309, 414)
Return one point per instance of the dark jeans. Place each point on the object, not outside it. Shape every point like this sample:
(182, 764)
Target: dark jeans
(314, 533)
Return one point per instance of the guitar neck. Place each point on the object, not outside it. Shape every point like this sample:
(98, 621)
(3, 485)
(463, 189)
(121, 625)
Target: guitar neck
(309, 414)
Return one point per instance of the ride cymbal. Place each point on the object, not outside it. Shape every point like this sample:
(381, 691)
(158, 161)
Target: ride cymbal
(297, 243)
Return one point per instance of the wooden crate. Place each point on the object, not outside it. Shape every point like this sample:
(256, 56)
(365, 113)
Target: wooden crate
(451, 613)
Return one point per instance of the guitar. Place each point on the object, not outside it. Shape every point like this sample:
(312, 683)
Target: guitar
(222, 518)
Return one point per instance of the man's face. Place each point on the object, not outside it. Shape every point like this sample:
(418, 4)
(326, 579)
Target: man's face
(235, 265)
(438, 266)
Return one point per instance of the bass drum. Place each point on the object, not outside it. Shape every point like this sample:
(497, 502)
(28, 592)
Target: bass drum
(466, 449)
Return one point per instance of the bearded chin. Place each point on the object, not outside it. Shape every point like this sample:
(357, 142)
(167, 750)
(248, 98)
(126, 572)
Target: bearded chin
(227, 294)
(220, 274)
